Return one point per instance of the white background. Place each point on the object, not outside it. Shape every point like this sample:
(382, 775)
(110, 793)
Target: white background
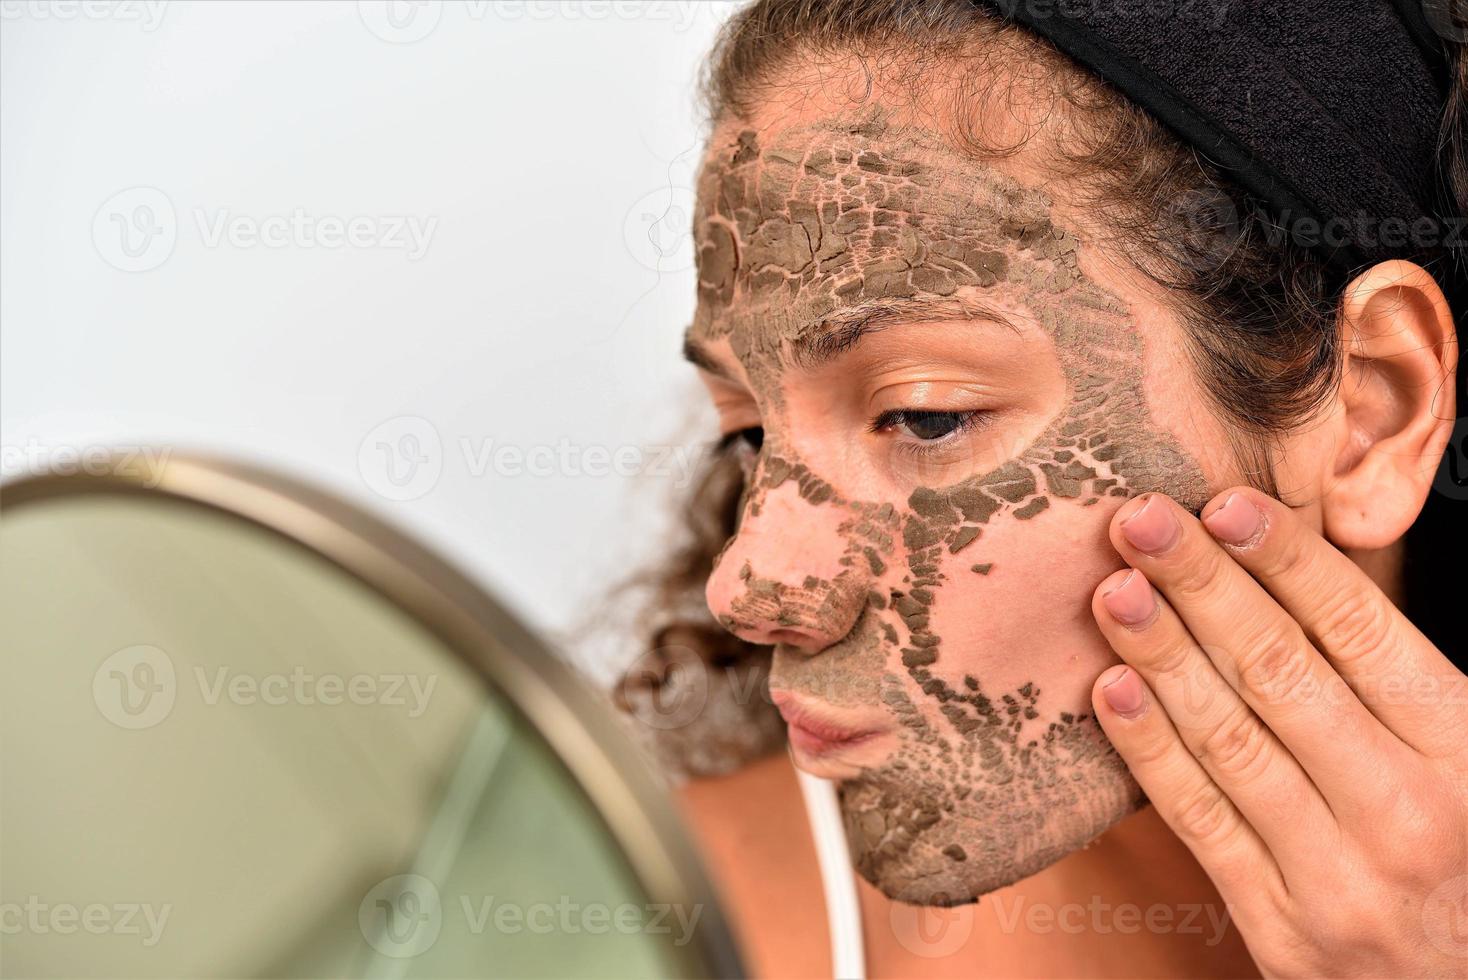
(176, 182)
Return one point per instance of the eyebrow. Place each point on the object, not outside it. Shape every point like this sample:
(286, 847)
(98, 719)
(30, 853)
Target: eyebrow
(826, 339)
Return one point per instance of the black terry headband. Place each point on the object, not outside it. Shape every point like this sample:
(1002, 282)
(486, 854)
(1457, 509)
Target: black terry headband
(1325, 111)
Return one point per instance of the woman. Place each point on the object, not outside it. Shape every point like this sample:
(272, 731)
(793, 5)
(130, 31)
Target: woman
(1080, 425)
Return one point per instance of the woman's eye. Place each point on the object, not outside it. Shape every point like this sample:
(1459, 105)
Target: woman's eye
(924, 426)
(750, 439)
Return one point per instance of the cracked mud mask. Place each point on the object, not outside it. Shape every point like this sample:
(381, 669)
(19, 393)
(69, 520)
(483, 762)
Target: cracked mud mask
(949, 410)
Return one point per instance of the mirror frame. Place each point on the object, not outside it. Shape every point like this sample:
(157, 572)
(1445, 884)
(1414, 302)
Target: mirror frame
(540, 687)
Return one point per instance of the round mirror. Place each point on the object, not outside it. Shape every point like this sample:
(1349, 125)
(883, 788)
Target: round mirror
(247, 730)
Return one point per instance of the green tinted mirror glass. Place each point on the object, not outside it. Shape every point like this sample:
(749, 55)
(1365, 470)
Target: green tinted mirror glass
(225, 756)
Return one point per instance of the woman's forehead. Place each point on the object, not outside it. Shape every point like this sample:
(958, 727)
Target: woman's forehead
(850, 220)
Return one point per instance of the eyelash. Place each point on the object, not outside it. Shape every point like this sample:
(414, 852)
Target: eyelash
(887, 420)
(727, 440)
(966, 421)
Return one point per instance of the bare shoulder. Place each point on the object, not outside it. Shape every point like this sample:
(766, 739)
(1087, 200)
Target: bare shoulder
(751, 828)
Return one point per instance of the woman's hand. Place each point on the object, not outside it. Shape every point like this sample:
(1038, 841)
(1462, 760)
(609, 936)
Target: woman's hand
(1296, 731)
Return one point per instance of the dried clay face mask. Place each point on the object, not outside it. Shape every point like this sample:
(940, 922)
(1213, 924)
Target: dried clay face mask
(986, 785)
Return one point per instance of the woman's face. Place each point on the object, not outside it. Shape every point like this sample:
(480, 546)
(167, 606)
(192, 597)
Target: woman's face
(943, 393)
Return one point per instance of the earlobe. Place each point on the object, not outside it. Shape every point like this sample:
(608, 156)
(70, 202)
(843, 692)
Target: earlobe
(1395, 404)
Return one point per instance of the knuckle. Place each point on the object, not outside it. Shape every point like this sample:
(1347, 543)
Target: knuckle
(1205, 815)
(1354, 628)
(1168, 657)
(1152, 749)
(1287, 557)
(1235, 748)
(1425, 831)
(1197, 576)
(1276, 663)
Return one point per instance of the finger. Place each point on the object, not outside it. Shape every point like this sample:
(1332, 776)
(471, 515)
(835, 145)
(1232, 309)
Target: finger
(1395, 671)
(1264, 781)
(1257, 647)
(1192, 804)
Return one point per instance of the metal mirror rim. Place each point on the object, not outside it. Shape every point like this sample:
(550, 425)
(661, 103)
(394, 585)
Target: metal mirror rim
(480, 632)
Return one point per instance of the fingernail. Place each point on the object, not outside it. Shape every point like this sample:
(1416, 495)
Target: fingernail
(1152, 529)
(1124, 694)
(1132, 601)
(1237, 522)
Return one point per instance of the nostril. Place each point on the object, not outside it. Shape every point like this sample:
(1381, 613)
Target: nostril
(806, 643)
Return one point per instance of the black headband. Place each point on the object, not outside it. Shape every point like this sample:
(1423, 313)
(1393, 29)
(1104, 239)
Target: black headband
(1325, 111)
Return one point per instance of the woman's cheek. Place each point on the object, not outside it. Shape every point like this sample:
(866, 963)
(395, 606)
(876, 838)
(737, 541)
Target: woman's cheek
(1015, 608)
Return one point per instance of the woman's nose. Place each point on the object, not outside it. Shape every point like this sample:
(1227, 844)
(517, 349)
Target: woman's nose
(782, 579)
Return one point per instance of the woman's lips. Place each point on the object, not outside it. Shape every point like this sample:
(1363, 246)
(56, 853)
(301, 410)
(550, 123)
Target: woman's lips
(816, 730)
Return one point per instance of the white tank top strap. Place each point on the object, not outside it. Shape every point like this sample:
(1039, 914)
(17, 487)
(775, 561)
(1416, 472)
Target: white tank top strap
(838, 880)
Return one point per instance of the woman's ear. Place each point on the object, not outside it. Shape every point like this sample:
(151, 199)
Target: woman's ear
(1395, 405)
